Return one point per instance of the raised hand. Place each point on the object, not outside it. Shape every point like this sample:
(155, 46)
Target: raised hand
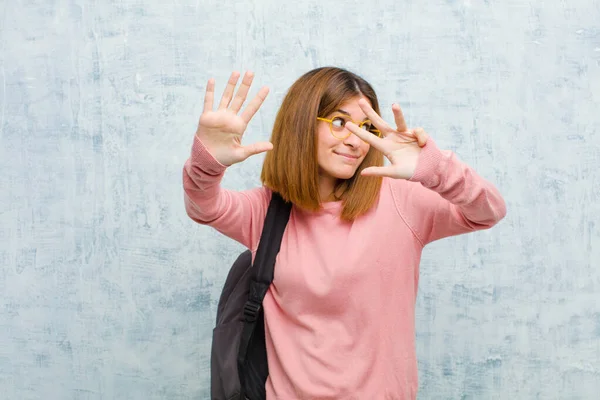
(221, 131)
(401, 145)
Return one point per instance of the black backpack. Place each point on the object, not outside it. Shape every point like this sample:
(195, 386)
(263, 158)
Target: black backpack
(238, 362)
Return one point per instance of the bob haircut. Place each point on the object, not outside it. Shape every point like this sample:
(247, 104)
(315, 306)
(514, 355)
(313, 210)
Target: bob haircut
(292, 169)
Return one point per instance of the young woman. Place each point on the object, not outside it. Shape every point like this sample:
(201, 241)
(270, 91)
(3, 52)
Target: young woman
(339, 315)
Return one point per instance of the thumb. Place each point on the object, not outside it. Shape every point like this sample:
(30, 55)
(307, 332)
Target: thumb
(257, 148)
(379, 171)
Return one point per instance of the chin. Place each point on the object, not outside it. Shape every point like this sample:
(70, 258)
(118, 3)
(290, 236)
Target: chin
(345, 174)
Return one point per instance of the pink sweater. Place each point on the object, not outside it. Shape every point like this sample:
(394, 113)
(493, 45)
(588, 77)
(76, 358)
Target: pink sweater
(339, 316)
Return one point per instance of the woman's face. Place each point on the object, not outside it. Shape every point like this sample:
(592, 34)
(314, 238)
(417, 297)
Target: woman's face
(339, 158)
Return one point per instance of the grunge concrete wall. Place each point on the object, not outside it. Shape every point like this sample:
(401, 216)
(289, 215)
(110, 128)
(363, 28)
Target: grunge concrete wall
(108, 290)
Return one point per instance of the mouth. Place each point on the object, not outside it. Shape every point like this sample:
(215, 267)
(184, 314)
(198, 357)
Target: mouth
(347, 156)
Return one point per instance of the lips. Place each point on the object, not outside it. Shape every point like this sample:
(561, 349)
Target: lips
(348, 156)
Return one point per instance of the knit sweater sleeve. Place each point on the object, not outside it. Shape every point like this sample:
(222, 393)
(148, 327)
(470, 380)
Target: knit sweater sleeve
(238, 215)
(446, 197)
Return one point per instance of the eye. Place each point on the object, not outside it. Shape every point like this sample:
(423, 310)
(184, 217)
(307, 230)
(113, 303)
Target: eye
(368, 126)
(338, 122)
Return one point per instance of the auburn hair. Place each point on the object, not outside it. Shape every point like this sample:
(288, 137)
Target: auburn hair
(291, 167)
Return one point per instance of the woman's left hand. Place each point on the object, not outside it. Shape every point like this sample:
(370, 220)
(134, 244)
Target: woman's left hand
(401, 145)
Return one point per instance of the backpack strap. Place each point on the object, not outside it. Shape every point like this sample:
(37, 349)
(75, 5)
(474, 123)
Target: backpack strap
(276, 221)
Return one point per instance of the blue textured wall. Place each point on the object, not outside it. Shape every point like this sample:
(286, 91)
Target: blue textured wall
(108, 289)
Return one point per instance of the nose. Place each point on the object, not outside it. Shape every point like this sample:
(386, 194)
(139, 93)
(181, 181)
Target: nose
(352, 140)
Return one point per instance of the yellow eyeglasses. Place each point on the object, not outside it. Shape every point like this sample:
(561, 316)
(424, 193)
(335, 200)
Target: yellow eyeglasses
(338, 123)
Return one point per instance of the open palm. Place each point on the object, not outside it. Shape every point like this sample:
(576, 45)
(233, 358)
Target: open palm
(221, 131)
(400, 145)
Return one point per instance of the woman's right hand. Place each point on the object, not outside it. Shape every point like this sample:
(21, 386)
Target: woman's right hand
(221, 131)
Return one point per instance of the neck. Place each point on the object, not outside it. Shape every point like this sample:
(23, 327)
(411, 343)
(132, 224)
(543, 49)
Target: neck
(327, 190)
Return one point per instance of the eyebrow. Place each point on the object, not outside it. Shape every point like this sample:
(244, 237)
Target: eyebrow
(348, 114)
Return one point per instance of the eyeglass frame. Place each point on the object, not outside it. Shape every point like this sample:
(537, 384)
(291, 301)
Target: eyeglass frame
(360, 125)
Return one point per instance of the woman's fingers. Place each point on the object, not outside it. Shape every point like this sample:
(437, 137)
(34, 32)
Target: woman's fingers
(366, 136)
(209, 96)
(255, 104)
(374, 117)
(399, 118)
(242, 92)
(228, 93)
